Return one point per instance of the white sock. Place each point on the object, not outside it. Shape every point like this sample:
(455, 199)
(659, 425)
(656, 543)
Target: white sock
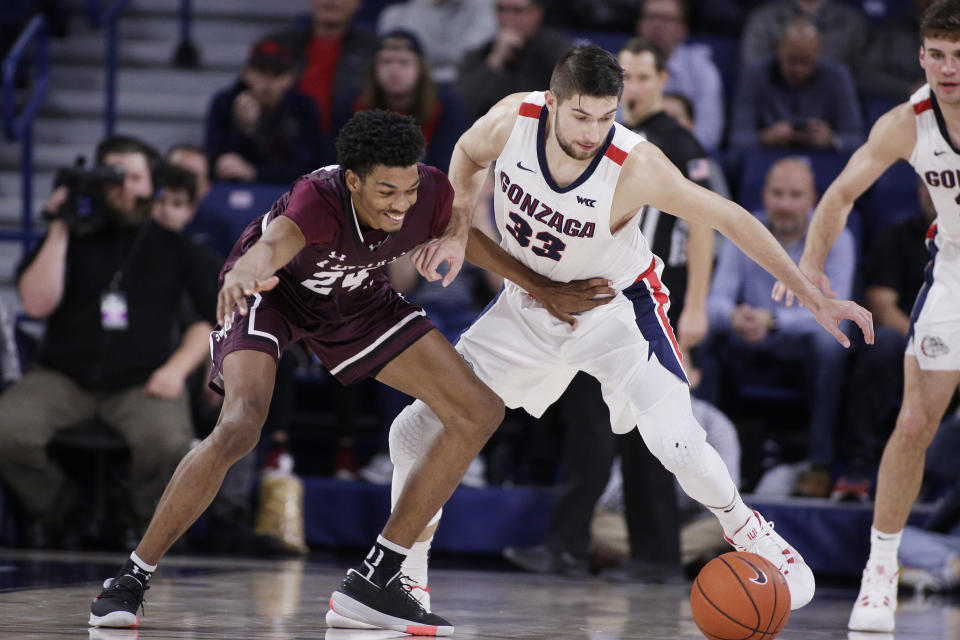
(149, 568)
(733, 516)
(416, 563)
(884, 547)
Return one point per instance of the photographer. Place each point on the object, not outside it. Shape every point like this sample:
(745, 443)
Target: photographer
(109, 283)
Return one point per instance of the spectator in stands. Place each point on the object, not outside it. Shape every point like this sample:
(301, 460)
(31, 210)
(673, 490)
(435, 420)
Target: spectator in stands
(843, 29)
(691, 68)
(749, 331)
(193, 159)
(891, 280)
(206, 226)
(111, 294)
(261, 128)
(521, 55)
(797, 98)
(398, 80)
(889, 65)
(447, 29)
(679, 107)
(331, 52)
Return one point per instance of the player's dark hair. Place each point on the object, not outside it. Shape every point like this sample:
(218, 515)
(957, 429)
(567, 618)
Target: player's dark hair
(586, 70)
(941, 20)
(639, 44)
(372, 138)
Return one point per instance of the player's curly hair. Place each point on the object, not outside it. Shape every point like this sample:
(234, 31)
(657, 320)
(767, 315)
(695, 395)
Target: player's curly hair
(379, 137)
(941, 20)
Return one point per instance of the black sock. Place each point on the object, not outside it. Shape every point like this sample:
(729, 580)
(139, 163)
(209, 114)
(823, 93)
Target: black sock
(131, 569)
(382, 564)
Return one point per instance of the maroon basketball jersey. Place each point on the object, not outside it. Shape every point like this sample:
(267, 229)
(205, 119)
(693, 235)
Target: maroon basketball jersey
(341, 260)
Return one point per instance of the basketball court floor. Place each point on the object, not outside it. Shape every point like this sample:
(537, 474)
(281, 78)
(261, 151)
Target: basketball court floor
(45, 595)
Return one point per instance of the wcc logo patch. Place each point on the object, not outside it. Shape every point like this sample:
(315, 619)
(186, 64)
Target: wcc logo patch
(933, 346)
(587, 202)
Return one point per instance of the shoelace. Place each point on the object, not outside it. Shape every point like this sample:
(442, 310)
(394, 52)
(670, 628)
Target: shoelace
(765, 536)
(878, 588)
(407, 584)
(117, 590)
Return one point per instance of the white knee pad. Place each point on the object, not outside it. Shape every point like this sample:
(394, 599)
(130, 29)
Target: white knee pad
(676, 438)
(411, 433)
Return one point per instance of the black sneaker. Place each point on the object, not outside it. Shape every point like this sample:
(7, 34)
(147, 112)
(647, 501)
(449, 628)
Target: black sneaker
(391, 607)
(117, 604)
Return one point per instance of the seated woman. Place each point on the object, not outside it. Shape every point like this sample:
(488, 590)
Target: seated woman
(398, 80)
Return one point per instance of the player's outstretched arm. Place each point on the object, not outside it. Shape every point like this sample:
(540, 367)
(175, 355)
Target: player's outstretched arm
(892, 138)
(649, 178)
(476, 149)
(255, 269)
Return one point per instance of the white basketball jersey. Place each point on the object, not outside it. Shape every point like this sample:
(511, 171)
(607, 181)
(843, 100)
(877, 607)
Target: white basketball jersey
(937, 162)
(564, 233)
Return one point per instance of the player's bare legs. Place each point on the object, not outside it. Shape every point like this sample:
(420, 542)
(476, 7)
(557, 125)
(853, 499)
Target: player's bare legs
(248, 384)
(432, 371)
(926, 395)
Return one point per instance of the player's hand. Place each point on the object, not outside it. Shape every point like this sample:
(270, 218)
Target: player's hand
(692, 326)
(814, 274)
(233, 294)
(831, 312)
(165, 383)
(428, 257)
(566, 299)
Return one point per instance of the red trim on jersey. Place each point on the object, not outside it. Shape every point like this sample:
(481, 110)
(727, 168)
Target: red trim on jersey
(530, 110)
(931, 231)
(922, 106)
(656, 290)
(616, 154)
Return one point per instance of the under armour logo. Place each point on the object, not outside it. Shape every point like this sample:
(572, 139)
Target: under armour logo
(340, 257)
(586, 201)
(375, 245)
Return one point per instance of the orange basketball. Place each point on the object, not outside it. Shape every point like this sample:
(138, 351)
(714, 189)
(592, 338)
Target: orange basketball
(740, 596)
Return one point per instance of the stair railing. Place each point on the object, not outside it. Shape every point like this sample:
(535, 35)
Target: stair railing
(20, 127)
(108, 18)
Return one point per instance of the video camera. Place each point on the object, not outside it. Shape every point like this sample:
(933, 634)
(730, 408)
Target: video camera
(85, 209)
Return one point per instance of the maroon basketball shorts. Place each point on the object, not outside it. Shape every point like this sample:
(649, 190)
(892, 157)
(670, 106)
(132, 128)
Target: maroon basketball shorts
(354, 339)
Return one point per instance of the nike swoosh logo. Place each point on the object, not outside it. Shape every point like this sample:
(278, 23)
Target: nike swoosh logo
(936, 153)
(520, 166)
(761, 577)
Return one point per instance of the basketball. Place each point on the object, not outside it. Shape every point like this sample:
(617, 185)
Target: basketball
(740, 596)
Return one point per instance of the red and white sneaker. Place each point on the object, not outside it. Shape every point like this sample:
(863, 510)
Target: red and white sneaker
(877, 601)
(337, 621)
(757, 536)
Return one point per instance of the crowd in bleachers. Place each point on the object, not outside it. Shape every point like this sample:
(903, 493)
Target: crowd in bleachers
(778, 93)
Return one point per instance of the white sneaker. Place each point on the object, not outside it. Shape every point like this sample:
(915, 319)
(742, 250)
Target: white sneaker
(757, 536)
(337, 621)
(378, 471)
(877, 601)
